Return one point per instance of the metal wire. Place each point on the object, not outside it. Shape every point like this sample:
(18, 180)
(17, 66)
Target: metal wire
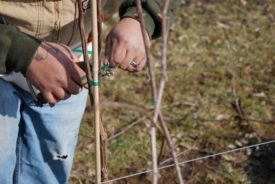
(192, 160)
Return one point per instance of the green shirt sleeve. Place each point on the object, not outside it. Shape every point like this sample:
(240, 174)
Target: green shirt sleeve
(16, 49)
(152, 13)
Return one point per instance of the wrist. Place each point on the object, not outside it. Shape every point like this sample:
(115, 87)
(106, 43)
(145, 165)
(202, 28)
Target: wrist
(21, 51)
(133, 22)
(148, 20)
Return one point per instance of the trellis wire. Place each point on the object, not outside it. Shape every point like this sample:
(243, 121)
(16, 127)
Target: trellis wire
(192, 160)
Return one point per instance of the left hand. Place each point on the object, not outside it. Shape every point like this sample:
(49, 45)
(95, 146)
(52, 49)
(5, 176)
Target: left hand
(125, 45)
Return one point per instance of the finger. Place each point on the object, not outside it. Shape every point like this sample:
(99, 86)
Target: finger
(108, 43)
(141, 64)
(84, 82)
(49, 97)
(78, 75)
(60, 94)
(135, 63)
(73, 87)
(118, 53)
(125, 64)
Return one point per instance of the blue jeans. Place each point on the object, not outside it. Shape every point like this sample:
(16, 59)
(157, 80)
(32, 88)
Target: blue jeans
(37, 144)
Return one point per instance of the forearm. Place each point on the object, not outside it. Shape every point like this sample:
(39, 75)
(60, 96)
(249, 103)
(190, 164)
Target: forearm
(152, 12)
(16, 49)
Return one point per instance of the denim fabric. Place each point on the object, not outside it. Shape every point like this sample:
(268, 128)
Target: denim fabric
(37, 144)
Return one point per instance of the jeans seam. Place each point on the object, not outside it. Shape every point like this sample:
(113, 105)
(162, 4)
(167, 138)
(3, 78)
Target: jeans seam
(18, 158)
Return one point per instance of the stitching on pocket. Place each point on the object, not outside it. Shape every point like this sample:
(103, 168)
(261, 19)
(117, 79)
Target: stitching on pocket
(75, 21)
(39, 21)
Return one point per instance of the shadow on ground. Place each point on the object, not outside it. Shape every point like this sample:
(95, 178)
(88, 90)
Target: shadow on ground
(261, 166)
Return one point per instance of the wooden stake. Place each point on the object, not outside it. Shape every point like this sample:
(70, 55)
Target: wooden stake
(95, 60)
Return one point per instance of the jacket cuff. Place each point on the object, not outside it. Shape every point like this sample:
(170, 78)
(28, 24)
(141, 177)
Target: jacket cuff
(21, 51)
(149, 21)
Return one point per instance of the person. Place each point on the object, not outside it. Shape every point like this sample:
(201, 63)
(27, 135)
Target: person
(37, 144)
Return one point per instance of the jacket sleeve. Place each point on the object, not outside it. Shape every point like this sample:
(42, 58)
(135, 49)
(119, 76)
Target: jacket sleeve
(152, 10)
(16, 49)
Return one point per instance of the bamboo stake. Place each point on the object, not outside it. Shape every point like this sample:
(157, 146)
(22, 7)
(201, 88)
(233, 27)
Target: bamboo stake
(94, 99)
(95, 59)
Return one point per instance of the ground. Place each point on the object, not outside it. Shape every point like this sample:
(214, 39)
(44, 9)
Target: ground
(220, 95)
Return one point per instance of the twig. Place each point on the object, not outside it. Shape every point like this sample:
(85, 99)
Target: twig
(74, 175)
(134, 108)
(179, 154)
(147, 52)
(231, 118)
(126, 129)
(172, 149)
(109, 103)
(103, 151)
(237, 105)
(161, 149)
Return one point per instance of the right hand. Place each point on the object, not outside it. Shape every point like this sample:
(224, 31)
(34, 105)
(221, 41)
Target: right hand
(53, 71)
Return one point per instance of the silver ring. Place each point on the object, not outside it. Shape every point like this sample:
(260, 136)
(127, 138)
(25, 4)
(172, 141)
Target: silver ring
(134, 64)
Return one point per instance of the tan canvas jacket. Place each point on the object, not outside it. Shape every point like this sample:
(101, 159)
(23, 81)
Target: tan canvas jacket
(54, 20)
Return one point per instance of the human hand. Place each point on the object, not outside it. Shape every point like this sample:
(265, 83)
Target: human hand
(54, 72)
(125, 44)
